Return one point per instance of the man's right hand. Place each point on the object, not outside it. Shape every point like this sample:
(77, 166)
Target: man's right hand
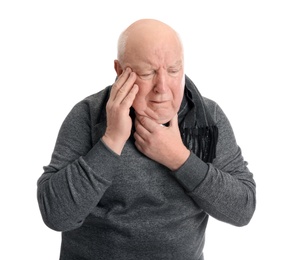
(119, 122)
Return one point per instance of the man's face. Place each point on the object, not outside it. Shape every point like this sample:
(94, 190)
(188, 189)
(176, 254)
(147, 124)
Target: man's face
(160, 77)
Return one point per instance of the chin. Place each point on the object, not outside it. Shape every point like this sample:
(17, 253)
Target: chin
(164, 120)
(161, 117)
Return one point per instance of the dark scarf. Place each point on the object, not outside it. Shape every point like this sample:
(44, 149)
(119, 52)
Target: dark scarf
(198, 130)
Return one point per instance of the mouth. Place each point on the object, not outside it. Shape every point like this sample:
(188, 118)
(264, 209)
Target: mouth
(159, 102)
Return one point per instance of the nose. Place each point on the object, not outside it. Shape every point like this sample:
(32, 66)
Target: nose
(161, 83)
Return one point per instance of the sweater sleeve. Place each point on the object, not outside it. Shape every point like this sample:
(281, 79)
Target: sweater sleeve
(224, 189)
(78, 175)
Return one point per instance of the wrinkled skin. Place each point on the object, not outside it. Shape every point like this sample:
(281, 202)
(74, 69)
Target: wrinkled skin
(151, 80)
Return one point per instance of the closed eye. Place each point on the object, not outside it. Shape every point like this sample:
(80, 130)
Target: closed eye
(146, 76)
(174, 70)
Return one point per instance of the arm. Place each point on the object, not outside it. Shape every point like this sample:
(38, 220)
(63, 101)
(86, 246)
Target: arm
(78, 174)
(224, 189)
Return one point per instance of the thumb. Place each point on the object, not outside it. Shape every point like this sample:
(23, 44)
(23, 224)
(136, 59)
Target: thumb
(174, 121)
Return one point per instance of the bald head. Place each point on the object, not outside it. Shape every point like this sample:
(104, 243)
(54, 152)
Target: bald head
(154, 53)
(146, 35)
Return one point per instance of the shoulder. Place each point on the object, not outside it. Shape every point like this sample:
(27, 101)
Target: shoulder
(92, 105)
(215, 111)
(95, 100)
(212, 107)
(88, 111)
(209, 102)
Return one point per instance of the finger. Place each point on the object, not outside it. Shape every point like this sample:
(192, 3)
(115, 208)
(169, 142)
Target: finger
(119, 82)
(129, 98)
(147, 123)
(123, 86)
(174, 121)
(138, 138)
(148, 113)
(140, 129)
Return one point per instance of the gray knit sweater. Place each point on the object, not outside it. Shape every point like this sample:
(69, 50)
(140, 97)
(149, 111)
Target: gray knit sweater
(130, 207)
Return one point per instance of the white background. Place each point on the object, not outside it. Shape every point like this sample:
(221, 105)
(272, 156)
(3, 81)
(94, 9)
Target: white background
(55, 53)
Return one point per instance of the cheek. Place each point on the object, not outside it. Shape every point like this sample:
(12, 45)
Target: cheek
(140, 101)
(177, 97)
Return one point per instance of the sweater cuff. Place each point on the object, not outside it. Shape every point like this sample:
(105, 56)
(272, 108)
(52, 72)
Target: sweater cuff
(192, 172)
(102, 160)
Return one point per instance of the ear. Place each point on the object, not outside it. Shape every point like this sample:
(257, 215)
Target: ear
(117, 67)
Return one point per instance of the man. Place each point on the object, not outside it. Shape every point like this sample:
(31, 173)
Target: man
(138, 167)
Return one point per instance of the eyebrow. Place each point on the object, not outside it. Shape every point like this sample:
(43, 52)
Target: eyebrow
(176, 64)
(147, 66)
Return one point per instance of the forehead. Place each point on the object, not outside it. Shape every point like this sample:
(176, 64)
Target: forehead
(150, 49)
(150, 56)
